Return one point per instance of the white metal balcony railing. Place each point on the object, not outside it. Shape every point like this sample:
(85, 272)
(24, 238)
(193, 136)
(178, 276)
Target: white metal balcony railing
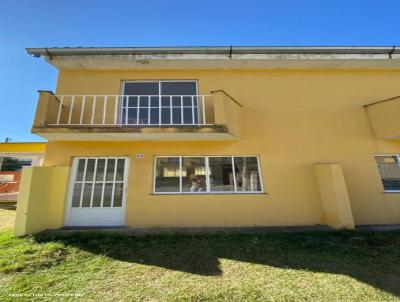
(132, 110)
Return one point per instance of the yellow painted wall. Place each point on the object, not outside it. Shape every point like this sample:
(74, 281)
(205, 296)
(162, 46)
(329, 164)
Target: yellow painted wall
(291, 118)
(40, 204)
(23, 147)
(384, 118)
(335, 198)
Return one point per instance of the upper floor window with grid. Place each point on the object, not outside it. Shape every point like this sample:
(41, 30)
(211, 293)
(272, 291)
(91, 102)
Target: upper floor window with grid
(160, 103)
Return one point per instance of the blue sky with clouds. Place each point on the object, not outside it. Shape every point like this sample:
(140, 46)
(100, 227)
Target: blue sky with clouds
(44, 23)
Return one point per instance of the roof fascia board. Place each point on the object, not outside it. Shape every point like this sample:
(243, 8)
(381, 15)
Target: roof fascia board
(37, 52)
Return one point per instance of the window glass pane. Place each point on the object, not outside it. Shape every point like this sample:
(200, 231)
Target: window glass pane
(143, 115)
(154, 113)
(154, 101)
(87, 194)
(144, 101)
(100, 169)
(247, 176)
(176, 116)
(13, 164)
(97, 195)
(120, 169)
(187, 101)
(76, 195)
(166, 115)
(132, 116)
(118, 194)
(176, 102)
(187, 116)
(193, 174)
(221, 176)
(107, 195)
(165, 102)
(178, 88)
(81, 168)
(90, 169)
(389, 169)
(110, 169)
(133, 101)
(167, 174)
(141, 88)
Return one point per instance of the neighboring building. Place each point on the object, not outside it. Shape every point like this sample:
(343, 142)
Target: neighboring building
(13, 157)
(217, 137)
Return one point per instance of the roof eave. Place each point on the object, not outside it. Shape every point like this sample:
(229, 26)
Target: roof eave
(77, 51)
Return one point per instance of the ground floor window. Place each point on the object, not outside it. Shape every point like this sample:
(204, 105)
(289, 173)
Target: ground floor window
(207, 174)
(389, 169)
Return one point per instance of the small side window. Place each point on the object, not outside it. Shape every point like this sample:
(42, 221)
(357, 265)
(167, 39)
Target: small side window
(389, 169)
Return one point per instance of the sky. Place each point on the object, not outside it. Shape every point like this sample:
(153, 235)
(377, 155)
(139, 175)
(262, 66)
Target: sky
(43, 23)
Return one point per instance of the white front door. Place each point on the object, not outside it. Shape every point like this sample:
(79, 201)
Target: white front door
(97, 192)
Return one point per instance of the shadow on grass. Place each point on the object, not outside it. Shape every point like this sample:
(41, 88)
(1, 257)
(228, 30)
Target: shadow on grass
(372, 258)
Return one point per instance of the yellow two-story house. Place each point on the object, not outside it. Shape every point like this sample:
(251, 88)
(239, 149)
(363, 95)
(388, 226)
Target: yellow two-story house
(185, 137)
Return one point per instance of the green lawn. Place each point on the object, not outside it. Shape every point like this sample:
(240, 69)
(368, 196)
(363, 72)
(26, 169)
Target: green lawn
(7, 217)
(317, 266)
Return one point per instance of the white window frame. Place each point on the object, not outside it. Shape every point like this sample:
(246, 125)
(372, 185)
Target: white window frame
(379, 173)
(159, 95)
(73, 174)
(207, 170)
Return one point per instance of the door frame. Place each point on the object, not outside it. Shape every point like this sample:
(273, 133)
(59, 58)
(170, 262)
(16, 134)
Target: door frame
(72, 178)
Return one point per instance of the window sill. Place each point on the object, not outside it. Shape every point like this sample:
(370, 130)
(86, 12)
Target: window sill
(212, 193)
(392, 191)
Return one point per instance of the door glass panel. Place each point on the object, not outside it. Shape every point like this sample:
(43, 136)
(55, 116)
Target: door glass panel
(110, 169)
(120, 169)
(107, 195)
(87, 195)
(221, 176)
(81, 169)
(118, 192)
(101, 164)
(90, 169)
(99, 188)
(97, 195)
(76, 195)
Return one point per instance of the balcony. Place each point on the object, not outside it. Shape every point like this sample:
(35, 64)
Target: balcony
(384, 118)
(138, 117)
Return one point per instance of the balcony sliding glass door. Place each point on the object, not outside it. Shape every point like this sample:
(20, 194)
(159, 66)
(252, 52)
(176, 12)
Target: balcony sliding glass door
(160, 103)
